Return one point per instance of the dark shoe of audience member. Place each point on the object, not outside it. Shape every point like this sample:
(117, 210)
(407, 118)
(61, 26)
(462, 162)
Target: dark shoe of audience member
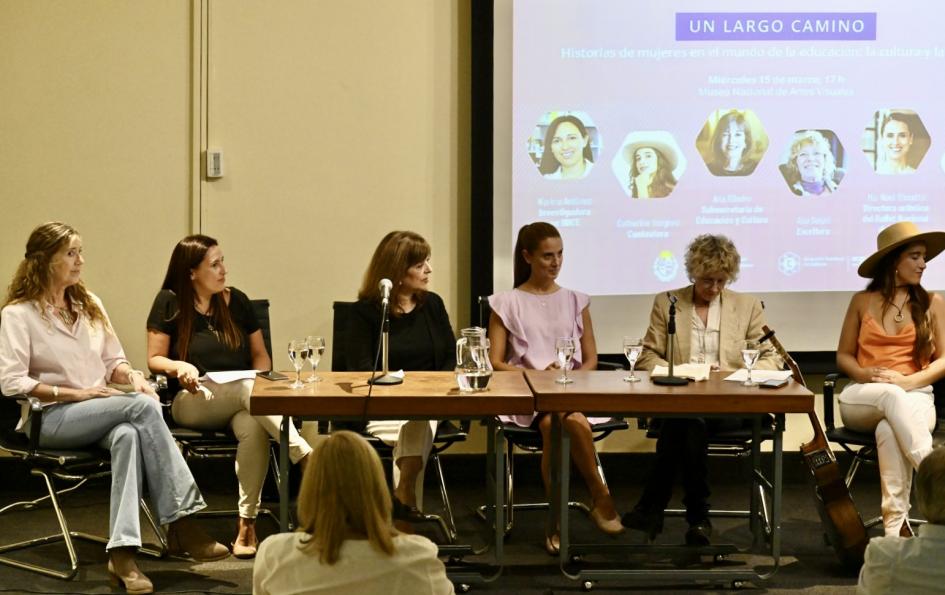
(699, 533)
(651, 523)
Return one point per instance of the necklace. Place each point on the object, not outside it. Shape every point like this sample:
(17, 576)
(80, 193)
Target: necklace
(899, 317)
(65, 314)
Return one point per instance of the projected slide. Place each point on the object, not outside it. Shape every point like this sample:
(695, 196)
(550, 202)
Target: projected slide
(638, 125)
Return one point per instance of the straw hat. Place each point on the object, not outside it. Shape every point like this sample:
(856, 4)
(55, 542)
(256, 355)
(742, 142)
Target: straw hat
(896, 235)
(656, 139)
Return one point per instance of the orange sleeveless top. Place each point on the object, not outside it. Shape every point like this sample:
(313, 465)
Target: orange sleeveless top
(875, 348)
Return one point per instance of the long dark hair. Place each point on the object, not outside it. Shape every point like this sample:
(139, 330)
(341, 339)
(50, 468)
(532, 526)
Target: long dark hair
(884, 283)
(187, 255)
(529, 237)
(549, 164)
(663, 180)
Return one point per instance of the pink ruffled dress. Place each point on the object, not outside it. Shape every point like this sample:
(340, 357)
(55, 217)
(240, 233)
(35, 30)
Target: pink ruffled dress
(534, 322)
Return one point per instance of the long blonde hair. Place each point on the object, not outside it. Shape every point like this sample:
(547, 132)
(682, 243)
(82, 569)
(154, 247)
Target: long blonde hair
(343, 493)
(33, 278)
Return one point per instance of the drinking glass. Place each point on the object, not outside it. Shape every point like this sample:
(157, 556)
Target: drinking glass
(316, 348)
(632, 348)
(564, 348)
(298, 353)
(750, 352)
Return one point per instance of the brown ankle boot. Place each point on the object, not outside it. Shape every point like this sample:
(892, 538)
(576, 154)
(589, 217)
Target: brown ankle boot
(186, 538)
(122, 570)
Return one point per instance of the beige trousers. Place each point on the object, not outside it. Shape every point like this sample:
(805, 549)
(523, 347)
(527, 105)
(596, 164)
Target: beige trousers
(217, 406)
(410, 439)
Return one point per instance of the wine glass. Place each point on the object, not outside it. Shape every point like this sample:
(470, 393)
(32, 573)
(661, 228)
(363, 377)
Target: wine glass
(750, 352)
(316, 348)
(632, 348)
(564, 349)
(298, 353)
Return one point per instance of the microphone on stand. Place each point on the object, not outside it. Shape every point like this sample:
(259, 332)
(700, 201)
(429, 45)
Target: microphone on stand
(385, 287)
(670, 379)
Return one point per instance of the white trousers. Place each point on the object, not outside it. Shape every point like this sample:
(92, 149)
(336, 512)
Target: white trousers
(902, 422)
(228, 404)
(410, 439)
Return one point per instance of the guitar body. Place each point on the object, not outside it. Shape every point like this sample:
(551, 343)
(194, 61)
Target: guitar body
(841, 521)
(838, 515)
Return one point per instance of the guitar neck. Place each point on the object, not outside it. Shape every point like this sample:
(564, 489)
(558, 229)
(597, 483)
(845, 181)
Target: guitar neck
(820, 438)
(795, 369)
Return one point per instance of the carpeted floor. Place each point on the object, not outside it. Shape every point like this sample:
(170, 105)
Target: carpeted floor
(807, 564)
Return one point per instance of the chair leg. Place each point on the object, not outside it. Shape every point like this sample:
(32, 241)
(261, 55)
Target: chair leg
(65, 535)
(600, 468)
(161, 550)
(450, 523)
(851, 472)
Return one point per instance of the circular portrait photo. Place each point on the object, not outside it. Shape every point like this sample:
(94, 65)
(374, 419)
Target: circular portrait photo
(895, 141)
(813, 162)
(564, 145)
(649, 164)
(732, 142)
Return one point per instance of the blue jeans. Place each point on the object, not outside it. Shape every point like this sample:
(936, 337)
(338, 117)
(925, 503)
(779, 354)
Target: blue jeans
(132, 428)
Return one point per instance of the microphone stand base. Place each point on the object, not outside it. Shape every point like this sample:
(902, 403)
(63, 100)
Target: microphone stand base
(669, 380)
(386, 379)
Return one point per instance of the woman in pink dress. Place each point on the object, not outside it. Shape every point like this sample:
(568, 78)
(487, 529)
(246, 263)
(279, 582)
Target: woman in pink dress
(524, 325)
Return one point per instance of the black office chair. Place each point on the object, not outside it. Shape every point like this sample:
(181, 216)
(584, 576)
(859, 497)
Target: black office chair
(202, 445)
(529, 440)
(73, 466)
(447, 432)
(862, 445)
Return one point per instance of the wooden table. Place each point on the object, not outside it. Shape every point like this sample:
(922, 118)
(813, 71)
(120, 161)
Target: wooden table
(423, 395)
(605, 392)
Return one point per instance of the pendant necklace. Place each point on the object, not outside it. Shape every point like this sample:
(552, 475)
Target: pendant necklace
(206, 317)
(898, 317)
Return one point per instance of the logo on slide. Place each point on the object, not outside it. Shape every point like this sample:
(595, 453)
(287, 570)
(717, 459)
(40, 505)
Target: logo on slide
(665, 266)
(789, 263)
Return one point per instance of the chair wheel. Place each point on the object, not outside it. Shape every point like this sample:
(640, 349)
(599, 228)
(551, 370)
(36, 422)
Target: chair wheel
(587, 586)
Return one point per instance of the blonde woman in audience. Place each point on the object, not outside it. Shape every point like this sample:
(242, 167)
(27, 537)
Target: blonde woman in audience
(901, 565)
(346, 542)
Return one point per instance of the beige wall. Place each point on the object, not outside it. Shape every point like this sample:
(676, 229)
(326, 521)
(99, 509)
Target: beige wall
(339, 122)
(95, 131)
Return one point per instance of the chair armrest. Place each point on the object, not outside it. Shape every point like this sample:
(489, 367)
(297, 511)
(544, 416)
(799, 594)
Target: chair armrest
(36, 422)
(830, 387)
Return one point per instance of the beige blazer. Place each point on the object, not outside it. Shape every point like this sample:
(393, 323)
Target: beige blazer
(742, 318)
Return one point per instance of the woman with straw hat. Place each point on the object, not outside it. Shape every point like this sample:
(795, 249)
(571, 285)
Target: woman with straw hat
(890, 345)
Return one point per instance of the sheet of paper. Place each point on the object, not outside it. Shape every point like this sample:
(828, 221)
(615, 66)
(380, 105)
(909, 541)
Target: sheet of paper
(696, 372)
(229, 376)
(758, 375)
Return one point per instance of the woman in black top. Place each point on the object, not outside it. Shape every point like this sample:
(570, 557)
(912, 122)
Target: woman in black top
(421, 338)
(198, 325)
